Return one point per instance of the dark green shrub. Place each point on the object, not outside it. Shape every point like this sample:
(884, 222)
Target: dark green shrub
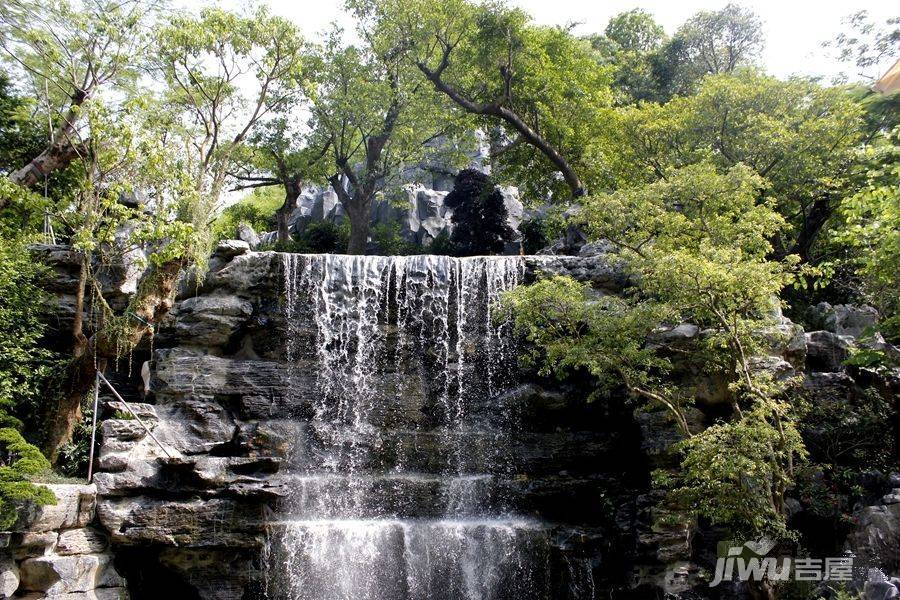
(479, 215)
(322, 237)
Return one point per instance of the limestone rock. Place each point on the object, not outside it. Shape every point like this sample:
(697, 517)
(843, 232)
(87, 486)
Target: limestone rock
(217, 522)
(145, 412)
(876, 538)
(125, 430)
(245, 273)
(180, 372)
(9, 577)
(75, 505)
(604, 272)
(107, 593)
(246, 233)
(86, 540)
(56, 575)
(674, 336)
(33, 543)
(844, 319)
(194, 425)
(892, 498)
(826, 351)
(210, 320)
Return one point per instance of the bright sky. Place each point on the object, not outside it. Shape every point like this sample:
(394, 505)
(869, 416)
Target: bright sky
(795, 29)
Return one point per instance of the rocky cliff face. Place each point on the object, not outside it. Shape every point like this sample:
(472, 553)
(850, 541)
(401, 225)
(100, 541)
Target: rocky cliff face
(236, 390)
(206, 488)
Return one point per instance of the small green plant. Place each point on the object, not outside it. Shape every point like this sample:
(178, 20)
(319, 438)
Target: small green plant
(390, 242)
(19, 462)
(256, 209)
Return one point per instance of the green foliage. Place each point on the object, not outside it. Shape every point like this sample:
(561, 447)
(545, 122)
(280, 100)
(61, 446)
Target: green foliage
(709, 43)
(479, 215)
(441, 245)
(795, 134)
(390, 242)
(74, 456)
(19, 461)
(257, 209)
(866, 45)
(321, 237)
(735, 473)
(24, 368)
(24, 364)
(498, 56)
(869, 226)
(698, 244)
(630, 44)
(21, 139)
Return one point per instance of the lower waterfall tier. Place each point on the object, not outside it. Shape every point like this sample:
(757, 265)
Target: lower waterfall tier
(445, 559)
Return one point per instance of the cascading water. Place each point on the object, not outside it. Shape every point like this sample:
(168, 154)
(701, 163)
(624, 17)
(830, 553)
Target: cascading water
(393, 480)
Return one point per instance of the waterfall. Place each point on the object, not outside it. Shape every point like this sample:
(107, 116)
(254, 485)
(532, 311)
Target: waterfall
(393, 480)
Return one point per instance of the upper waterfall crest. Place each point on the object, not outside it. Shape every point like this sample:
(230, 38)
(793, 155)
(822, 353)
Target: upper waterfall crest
(376, 316)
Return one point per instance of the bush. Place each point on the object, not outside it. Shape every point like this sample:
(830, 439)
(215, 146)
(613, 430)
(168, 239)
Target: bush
(479, 215)
(321, 237)
(390, 242)
(20, 461)
(441, 245)
(25, 368)
(256, 209)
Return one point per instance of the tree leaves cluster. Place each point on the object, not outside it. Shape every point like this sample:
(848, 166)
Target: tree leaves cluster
(698, 246)
(479, 215)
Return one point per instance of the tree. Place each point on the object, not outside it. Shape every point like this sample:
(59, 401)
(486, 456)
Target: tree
(479, 215)
(278, 156)
(126, 154)
(179, 159)
(869, 47)
(798, 135)
(868, 229)
(709, 43)
(376, 117)
(69, 51)
(21, 138)
(540, 85)
(698, 244)
(630, 43)
(635, 31)
(224, 73)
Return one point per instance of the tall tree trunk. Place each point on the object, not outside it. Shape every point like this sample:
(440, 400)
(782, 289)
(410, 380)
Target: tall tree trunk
(359, 229)
(79, 341)
(149, 306)
(292, 188)
(813, 221)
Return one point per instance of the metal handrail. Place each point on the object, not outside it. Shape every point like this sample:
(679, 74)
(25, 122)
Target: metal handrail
(133, 414)
(94, 427)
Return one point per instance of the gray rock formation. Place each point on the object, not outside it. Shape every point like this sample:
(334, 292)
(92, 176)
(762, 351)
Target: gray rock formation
(57, 553)
(418, 210)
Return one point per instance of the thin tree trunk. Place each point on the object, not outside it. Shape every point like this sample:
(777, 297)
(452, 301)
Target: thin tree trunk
(292, 189)
(79, 341)
(150, 305)
(818, 215)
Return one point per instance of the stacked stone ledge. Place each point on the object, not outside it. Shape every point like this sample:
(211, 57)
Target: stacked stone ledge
(59, 552)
